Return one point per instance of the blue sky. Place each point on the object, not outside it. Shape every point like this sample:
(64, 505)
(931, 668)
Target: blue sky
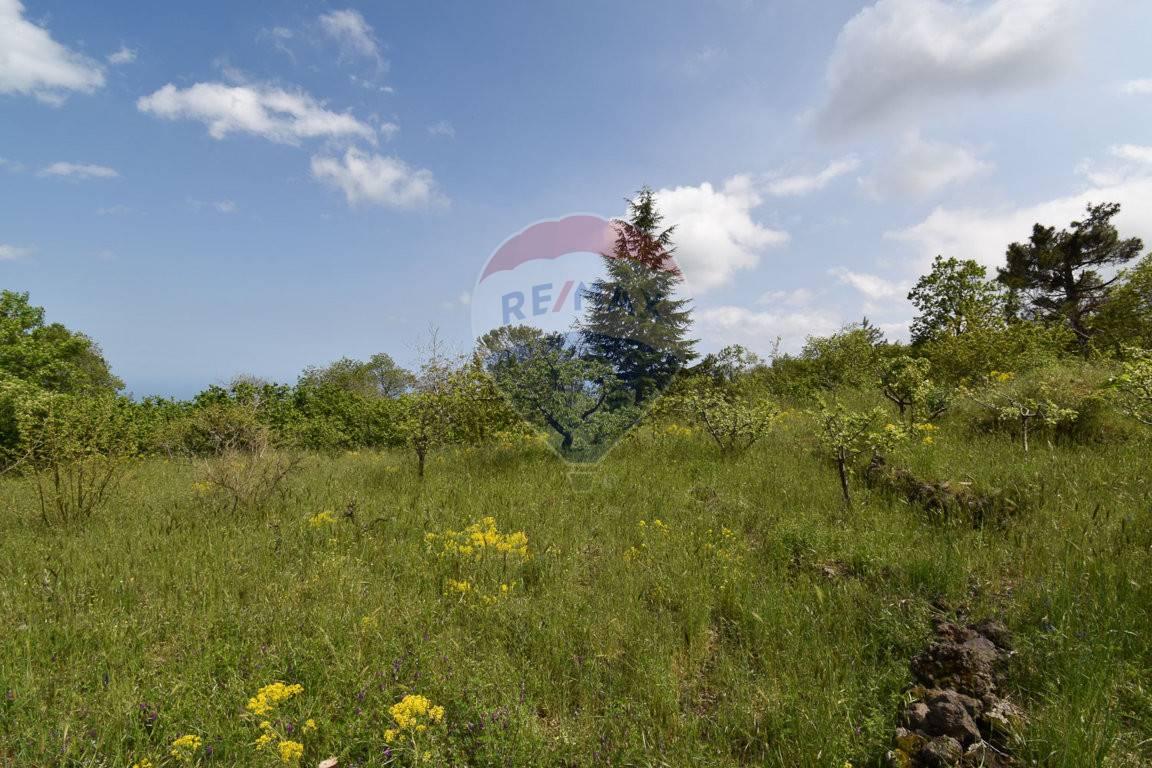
(216, 188)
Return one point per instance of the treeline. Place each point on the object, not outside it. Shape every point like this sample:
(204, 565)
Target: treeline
(1065, 312)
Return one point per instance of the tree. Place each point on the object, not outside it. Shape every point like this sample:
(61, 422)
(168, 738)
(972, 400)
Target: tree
(49, 355)
(549, 382)
(1132, 388)
(634, 324)
(846, 434)
(380, 376)
(850, 357)
(906, 383)
(1058, 273)
(1126, 319)
(953, 298)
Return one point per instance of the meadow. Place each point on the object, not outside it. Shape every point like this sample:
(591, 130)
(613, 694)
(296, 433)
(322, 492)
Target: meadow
(673, 607)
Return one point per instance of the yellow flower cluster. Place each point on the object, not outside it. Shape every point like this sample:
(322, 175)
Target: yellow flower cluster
(144, 763)
(322, 519)
(271, 696)
(185, 748)
(1001, 377)
(412, 715)
(679, 431)
(479, 539)
(927, 432)
(264, 704)
(291, 752)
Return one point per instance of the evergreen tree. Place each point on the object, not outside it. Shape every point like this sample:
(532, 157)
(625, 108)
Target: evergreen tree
(1058, 272)
(634, 323)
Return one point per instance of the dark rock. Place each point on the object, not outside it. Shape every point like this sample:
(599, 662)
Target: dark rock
(950, 714)
(941, 752)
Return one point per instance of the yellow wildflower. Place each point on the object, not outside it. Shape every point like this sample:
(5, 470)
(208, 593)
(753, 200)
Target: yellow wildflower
(291, 752)
(309, 726)
(321, 519)
(270, 696)
(185, 748)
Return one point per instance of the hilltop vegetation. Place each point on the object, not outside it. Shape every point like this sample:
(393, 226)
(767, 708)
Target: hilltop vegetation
(391, 567)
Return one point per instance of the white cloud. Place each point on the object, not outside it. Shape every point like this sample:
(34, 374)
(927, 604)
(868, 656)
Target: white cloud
(32, 63)
(896, 54)
(984, 235)
(220, 206)
(442, 128)
(1133, 153)
(124, 55)
(273, 113)
(1137, 87)
(80, 171)
(758, 331)
(798, 297)
(12, 252)
(921, 167)
(797, 186)
(373, 178)
(873, 287)
(353, 34)
(715, 233)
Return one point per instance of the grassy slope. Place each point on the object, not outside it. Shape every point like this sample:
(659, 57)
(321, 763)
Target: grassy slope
(626, 645)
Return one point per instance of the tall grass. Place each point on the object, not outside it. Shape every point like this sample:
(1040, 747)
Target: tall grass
(758, 623)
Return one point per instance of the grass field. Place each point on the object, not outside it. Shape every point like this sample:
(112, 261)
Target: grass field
(674, 609)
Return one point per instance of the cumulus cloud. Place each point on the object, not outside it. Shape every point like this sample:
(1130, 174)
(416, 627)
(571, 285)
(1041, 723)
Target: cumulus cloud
(124, 55)
(1134, 153)
(921, 168)
(1137, 87)
(377, 179)
(352, 33)
(12, 252)
(873, 287)
(797, 186)
(33, 64)
(797, 297)
(272, 113)
(759, 331)
(716, 235)
(983, 234)
(79, 171)
(896, 54)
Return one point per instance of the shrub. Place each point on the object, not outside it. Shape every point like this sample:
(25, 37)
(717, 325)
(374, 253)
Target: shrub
(734, 424)
(76, 449)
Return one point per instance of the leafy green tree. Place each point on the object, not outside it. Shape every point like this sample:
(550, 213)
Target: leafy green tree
(550, 383)
(49, 355)
(633, 321)
(907, 383)
(851, 357)
(1125, 320)
(379, 376)
(953, 298)
(1059, 273)
(1028, 406)
(1132, 387)
(845, 434)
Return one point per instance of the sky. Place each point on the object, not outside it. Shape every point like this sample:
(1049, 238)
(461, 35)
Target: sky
(219, 188)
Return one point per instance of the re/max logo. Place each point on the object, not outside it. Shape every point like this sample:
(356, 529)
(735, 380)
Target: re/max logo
(539, 300)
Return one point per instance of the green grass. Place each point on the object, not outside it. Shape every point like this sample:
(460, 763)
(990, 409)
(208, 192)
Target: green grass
(623, 645)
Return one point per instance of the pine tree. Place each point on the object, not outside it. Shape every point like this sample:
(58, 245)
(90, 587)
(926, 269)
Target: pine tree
(1059, 272)
(633, 321)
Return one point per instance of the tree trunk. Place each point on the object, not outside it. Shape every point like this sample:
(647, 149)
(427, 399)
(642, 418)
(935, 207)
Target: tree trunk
(842, 468)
